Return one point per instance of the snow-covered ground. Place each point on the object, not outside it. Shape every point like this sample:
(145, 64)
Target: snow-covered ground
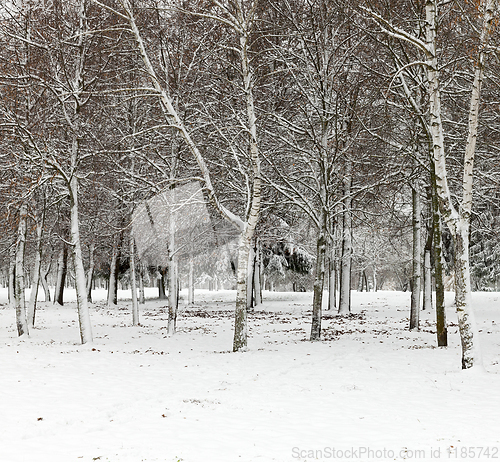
(371, 390)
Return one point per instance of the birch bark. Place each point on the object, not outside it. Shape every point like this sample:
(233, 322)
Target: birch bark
(427, 281)
(458, 221)
(319, 280)
(74, 122)
(19, 291)
(345, 268)
(80, 282)
(416, 267)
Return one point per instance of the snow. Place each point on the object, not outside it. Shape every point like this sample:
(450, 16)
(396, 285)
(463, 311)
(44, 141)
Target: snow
(371, 390)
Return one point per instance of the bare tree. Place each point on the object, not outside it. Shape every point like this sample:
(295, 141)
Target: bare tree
(239, 17)
(458, 220)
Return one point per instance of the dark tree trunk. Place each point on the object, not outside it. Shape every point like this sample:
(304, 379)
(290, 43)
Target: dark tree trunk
(417, 267)
(113, 273)
(142, 297)
(44, 282)
(162, 294)
(133, 284)
(62, 271)
(441, 327)
(90, 273)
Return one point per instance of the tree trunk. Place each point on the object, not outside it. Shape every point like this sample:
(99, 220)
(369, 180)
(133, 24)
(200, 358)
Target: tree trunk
(90, 272)
(36, 275)
(62, 270)
(319, 280)
(250, 279)
(19, 292)
(242, 25)
(162, 294)
(80, 283)
(43, 280)
(240, 315)
(345, 270)
(113, 273)
(417, 270)
(332, 285)
(427, 281)
(173, 299)
(191, 280)
(458, 221)
(133, 284)
(360, 281)
(471, 353)
(12, 274)
(254, 195)
(142, 297)
(256, 276)
(441, 326)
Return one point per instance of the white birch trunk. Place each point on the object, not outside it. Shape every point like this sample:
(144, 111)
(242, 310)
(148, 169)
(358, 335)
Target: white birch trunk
(345, 272)
(80, 280)
(469, 334)
(319, 282)
(19, 291)
(458, 223)
(416, 267)
(240, 317)
(427, 281)
(240, 325)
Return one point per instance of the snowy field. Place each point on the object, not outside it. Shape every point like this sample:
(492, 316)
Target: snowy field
(370, 390)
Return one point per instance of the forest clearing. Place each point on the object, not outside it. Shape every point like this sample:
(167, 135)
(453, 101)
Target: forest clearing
(139, 394)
